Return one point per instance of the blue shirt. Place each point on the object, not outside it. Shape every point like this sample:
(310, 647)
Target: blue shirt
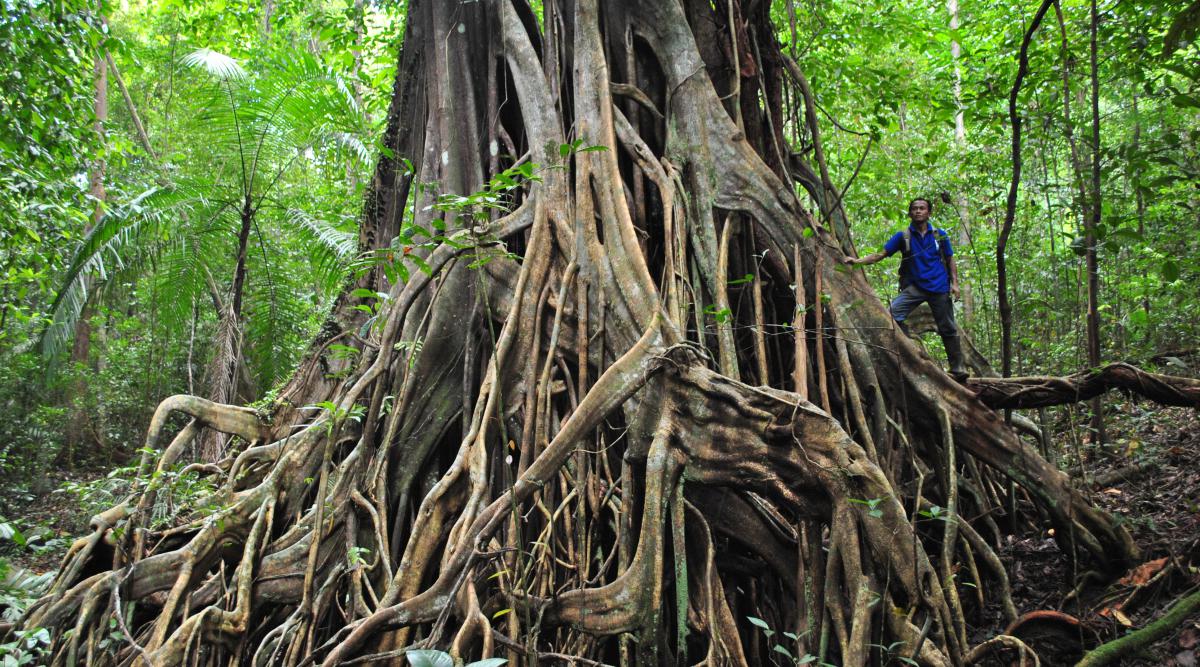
(925, 267)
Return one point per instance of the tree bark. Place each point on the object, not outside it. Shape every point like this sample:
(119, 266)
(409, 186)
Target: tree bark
(81, 342)
(1040, 392)
(1090, 239)
(1010, 208)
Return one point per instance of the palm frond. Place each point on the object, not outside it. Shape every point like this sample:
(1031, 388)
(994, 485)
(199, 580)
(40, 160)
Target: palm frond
(339, 243)
(353, 144)
(112, 245)
(217, 64)
(329, 247)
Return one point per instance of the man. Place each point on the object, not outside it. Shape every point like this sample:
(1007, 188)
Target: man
(927, 274)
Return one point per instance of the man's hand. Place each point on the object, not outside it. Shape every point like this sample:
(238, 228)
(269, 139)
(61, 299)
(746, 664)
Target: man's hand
(954, 290)
(852, 261)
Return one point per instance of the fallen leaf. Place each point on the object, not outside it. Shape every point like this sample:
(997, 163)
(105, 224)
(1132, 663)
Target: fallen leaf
(1112, 492)
(1188, 638)
(1186, 659)
(1139, 575)
(1122, 618)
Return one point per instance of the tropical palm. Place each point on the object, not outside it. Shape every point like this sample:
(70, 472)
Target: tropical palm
(244, 177)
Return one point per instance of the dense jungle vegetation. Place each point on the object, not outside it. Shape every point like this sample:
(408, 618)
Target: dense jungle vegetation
(519, 330)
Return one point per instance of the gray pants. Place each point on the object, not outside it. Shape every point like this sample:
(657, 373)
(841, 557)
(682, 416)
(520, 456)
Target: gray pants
(940, 304)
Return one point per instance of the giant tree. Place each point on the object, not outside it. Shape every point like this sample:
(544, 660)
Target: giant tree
(612, 395)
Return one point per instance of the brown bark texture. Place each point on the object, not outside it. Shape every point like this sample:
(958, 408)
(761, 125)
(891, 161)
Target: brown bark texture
(575, 428)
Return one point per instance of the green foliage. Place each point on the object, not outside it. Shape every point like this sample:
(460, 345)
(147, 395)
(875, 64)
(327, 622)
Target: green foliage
(19, 587)
(24, 647)
(45, 140)
(181, 495)
(282, 111)
(872, 505)
(432, 658)
(30, 425)
(886, 71)
(781, 649)
(336, 415)
(257, 131)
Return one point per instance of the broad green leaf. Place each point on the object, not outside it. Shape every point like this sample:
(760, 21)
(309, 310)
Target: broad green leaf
(216, 64)
(759, 622)
(429, 658)
(1170, 271)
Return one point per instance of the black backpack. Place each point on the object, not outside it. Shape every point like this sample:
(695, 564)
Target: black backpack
(906, 254)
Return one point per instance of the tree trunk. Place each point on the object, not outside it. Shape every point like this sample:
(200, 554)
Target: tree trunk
(225, 368)
(1010, 208)
(960, 127)
(535, 453)
(81, 341)
(1090, 239)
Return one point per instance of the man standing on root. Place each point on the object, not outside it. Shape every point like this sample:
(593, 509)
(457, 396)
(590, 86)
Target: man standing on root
(927, 274)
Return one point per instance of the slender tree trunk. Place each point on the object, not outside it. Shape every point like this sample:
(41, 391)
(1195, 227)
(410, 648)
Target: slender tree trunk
(227, 366)
(1090, 240)
(81, 344)
(1138, 192)
(1010, 209)
(960, 127)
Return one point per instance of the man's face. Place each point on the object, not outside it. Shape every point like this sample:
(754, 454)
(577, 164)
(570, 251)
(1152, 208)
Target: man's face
(919, 211)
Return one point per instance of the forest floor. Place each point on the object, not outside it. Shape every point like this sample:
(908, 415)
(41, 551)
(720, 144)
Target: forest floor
(1149, 473)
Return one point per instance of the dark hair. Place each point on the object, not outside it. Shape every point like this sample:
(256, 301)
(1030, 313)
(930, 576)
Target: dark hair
(927, 203)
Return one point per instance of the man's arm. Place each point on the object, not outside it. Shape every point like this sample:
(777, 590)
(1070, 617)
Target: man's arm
(893, 245)
(864, 261)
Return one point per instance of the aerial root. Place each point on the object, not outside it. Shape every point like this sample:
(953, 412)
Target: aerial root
(1024, 653)
(214, 619)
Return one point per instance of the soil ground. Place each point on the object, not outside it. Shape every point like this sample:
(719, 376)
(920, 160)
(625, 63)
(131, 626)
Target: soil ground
(1149, 474)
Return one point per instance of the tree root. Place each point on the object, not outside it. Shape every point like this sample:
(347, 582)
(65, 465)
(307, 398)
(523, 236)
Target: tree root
(1038, 392)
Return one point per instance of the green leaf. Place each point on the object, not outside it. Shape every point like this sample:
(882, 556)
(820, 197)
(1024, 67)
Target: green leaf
(429, 658)
(501, 613)
(10, 532)
(420, 264)
(216, 64)
(759, 622)
(1170, 271)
